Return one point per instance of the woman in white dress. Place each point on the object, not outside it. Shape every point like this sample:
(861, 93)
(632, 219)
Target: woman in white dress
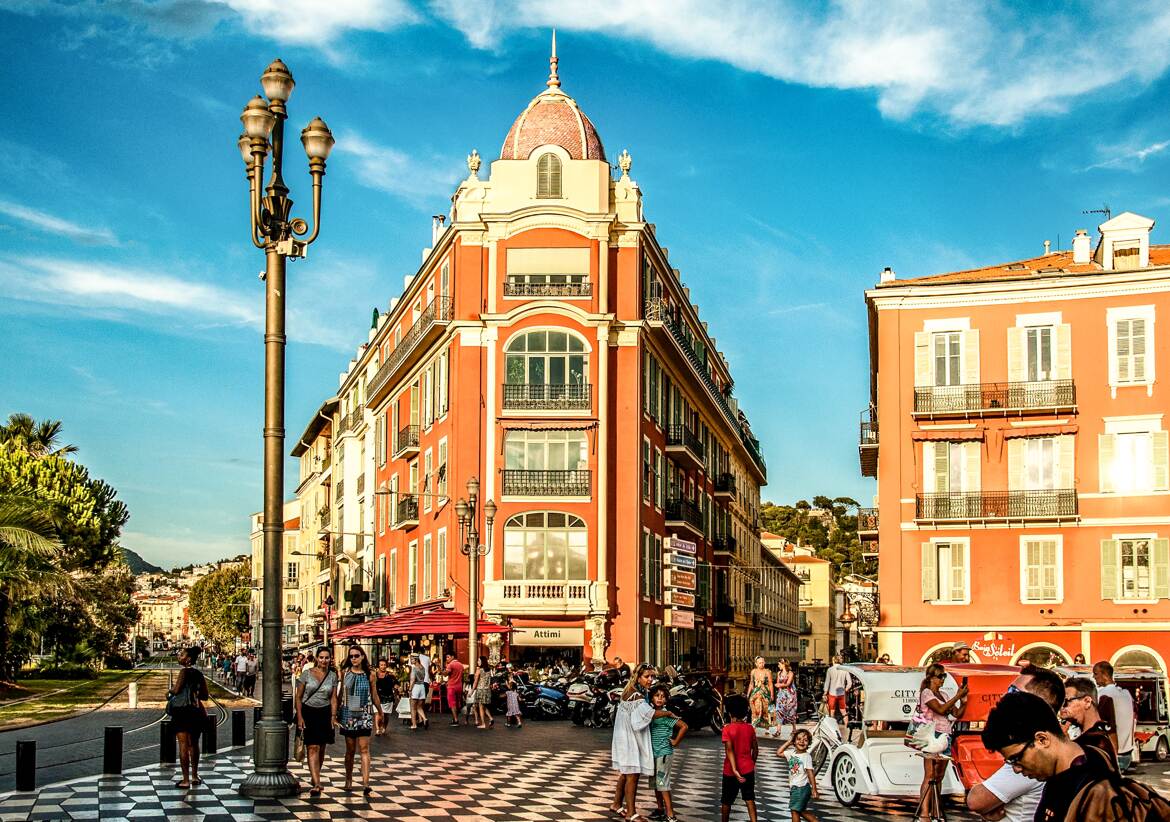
(631, 750)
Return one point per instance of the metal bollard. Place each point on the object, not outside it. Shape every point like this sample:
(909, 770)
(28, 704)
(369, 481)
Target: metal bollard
(255, 714)
(239, 727)
(209, 742)
(26, 765)
(112, 750)
(132, 693)
(166, 743)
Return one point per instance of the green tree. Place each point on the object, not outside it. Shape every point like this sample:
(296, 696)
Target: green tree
(837, 542)
(218, 603)
(38, 438)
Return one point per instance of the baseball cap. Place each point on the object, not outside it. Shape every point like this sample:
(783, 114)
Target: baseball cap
(960, 646)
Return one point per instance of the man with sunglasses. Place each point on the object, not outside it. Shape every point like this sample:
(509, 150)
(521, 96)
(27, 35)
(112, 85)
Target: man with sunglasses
(1080, 711)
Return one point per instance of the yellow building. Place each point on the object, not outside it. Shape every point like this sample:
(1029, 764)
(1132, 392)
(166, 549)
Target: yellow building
(291, 564)
(317, 581)
(817, 643)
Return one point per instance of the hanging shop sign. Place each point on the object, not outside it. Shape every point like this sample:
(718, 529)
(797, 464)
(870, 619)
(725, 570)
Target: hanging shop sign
(681, 560)
(680, 546)
(680, 599)
(674, 578)
(676, 618)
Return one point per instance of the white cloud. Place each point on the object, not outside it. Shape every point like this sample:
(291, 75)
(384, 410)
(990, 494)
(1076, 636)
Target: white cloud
(43, 221)
(1130, 156)
(317, 23)
(420, 182)
(975, 64)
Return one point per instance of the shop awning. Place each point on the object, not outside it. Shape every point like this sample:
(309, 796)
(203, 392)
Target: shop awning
(1039, 431)
(413, 622)
(948, 434)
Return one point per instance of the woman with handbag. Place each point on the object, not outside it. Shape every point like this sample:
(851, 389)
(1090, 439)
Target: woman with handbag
(934, 708)
(359, 701)
(315, 702)
(188, 716)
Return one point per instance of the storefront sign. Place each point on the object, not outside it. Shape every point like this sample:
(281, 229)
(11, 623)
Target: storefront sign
(679, 545)
(674, 618)
(675, 578)
(680, 599)
(992, 651)
(681, 560)
(560, 637)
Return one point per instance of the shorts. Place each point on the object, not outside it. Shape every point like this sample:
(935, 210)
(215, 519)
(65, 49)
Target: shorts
(454, 698)
(798, 797)
(836, 703)
(732, 787)
(418, 692)
(662, 773)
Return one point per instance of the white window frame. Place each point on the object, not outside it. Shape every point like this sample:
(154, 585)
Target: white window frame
(441, 559)
(412, 571)
(392, 580)
(441, 465)
(428, 468)
(1131, 312)
(1059, 540)
(966, 543)
(428, 559)
(1149, 537)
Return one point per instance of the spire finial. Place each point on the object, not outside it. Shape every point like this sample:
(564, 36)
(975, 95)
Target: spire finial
(553, 80)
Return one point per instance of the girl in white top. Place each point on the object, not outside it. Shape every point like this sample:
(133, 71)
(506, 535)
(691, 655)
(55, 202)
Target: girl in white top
(631, 750)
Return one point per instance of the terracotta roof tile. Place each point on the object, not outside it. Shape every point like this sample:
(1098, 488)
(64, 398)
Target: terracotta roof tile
(1056, 262)
(552, 118)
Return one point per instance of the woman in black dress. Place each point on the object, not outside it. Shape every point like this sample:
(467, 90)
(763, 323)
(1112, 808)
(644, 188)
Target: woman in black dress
(315, 701)
(387, 685)
(188, 716)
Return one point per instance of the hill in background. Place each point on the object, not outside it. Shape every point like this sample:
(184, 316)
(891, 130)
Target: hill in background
(138, 565)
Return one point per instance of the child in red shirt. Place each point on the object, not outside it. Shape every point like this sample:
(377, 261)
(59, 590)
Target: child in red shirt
(739, 761)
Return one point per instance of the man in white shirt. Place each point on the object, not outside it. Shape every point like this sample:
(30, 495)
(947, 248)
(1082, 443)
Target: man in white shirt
(837, 682)
(1116, 706)
(1006, 794)
(241, 669)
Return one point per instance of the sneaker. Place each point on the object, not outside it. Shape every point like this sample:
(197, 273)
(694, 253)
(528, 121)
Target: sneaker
(658, 816)
(669, 819)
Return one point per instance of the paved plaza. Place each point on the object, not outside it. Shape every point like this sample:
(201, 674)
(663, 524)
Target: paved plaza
(545, 771)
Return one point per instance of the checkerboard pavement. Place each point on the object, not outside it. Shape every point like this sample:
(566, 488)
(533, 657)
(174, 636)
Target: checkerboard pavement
(467, 785)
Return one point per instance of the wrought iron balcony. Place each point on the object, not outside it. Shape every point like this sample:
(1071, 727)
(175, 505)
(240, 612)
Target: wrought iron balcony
(438, 313)
(518, 289)
(522, 482)
(684, 512)
(725, 485)
(406, 441)
(682, 442)
(1059, 504)
(406, 512)
(545, 397)
(867, 447)
(995, 398)
(867, 521)
(723, 542)
(351, 421)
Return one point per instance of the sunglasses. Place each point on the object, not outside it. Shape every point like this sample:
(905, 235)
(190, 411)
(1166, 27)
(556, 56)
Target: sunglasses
(355, 656)
(1072, 699)
(1015, 758)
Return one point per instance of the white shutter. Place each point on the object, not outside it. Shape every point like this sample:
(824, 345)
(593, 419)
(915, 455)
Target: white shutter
(1016, 464)
(1160, 569)
(1029, 556)
(1062, 367)
(929, 572)
(923, 375)
(1137, 338)
(1051, 573)
(972, 457)
(958, 575)
(1110, 562)
(1106, 445)
(1160, 460)
(1065, 462)
(929, 469)
(970, 357)
(1122, 335)
(1016, 359)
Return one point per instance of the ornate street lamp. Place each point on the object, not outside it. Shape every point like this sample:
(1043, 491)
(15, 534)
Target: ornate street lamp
(276, 232)
(467, 512)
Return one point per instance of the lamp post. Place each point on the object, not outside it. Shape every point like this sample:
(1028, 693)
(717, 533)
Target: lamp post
(276, 232)
(468, 513)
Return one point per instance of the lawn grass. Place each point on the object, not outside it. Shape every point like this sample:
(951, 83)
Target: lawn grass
(77, 696)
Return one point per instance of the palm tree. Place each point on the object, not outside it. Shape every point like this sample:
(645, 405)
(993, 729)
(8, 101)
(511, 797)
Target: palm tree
(38, 438)
(29, 564)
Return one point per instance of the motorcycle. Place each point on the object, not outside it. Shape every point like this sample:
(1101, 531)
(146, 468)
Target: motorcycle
(694, 700)
(580, 696)
(543, 702)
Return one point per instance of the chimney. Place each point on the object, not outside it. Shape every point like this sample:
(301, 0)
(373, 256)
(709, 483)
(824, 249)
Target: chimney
(888, 275)
(437, 228)
(1082, 246)
(1047, 247)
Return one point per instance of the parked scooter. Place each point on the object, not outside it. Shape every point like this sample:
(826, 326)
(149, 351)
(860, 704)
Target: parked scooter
(543, 702)
(694, 700)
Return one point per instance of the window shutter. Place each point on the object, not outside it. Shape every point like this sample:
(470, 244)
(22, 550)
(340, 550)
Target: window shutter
(958, 575)
(1106, 444)
(1122, 333)
(971, 357)
(1110, 562)
(1160, 442)
(1031, 571)
(1017, 365)
(922, 360)
(1160, 567)
(1062, 368)
(1066, 462)
(972, 455)
(930, 468)
(1016, 464)
(1137, 339)
(929, 572)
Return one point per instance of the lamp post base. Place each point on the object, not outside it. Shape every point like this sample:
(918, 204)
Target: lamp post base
(271, 778)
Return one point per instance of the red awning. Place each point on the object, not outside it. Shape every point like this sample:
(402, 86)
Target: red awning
(948, 434)
(1039, 431)
(435, 620)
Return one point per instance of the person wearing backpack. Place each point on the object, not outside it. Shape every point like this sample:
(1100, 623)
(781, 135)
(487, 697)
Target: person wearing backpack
(188, 716)
(1080, 784)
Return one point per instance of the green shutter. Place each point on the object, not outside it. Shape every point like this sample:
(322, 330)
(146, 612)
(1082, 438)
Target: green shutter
(1160, 568)
(929, 572)
(1110, 564)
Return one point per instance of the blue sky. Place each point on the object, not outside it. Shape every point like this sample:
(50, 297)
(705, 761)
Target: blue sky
(786, 151)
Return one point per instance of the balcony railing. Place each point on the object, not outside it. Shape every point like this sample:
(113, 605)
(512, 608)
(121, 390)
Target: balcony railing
(867, 444)
(407, 510)
(725, 484)
(406, 440)
(538, 397)
(723, 542)
(998, 505)
(350, 421)
(681, 436)
(658, 310)
(867, 520)
(683, 510)
(522, 482)
(537, 596)
(439, 310)
(518, 289)
(991, 398)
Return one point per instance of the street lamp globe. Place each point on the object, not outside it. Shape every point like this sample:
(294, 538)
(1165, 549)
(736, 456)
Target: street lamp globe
(317, 139)
(245, 146)
(461, 510)
(257, 119)
(489, 511)
(277, 81)
(473, 487)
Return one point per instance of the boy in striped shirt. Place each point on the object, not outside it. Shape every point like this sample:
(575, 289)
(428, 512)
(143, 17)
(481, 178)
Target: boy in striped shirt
(665, 734)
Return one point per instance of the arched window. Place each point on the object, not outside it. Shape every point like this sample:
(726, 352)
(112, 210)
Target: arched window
(1042, 656)
(548, 176)
(546, 358)
(545, 545)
